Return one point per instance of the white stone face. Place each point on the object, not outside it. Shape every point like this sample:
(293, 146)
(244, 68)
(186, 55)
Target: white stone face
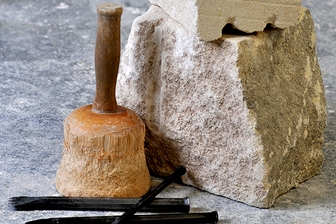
(244, 114)
(207, 18)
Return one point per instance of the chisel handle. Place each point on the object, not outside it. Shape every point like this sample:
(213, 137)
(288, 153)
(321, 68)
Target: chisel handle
(107, 57)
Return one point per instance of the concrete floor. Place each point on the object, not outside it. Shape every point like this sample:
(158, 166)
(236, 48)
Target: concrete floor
(46, 70)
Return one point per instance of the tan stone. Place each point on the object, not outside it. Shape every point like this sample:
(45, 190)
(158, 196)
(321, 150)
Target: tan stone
(207, 18)
(245, 114)
(103, 155)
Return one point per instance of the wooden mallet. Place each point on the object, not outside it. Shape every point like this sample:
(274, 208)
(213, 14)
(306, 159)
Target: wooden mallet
(104, 143)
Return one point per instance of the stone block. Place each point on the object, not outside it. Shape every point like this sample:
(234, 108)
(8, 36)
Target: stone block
(245, 114)
(207, 18)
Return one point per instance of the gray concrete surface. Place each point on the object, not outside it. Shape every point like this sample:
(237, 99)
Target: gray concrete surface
(46, 71)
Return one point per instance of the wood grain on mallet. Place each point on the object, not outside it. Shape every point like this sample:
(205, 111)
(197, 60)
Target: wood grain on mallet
(104, 143)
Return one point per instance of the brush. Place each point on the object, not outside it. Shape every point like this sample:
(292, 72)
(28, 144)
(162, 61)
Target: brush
(162, 205)
(210, 217)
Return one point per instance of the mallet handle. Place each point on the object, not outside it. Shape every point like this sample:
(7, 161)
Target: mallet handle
(107, 57)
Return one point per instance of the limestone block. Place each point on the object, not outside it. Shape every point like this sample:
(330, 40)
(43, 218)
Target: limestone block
(207, 18)
(245, 114)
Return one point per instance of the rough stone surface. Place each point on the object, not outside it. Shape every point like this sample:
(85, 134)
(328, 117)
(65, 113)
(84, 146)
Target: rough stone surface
(103, 155)
(245, 114)
(207, 18)
(47, 71)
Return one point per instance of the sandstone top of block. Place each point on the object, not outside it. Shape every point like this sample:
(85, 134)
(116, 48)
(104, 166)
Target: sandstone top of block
(207, 18)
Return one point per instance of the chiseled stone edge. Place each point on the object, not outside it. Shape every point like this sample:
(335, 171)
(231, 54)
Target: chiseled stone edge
(207, 18)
